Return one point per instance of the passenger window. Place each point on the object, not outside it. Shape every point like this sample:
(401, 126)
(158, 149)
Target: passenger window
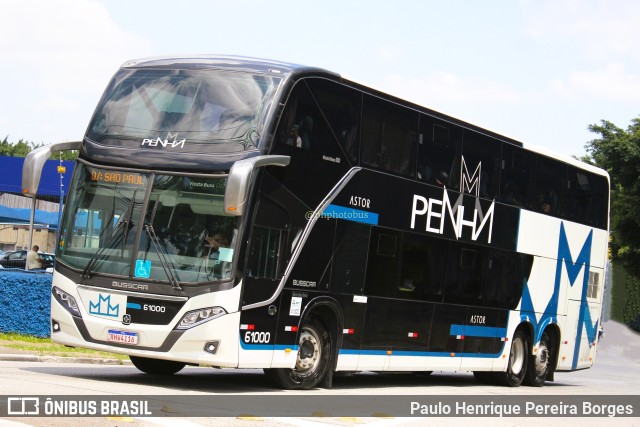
(342, 107)
(304, 135)
(594, 283)
(264, 253)
(422, 267)
(587, 198)
(517, 176)
(464, 274)
(600, 203)
(438, 152)
(349, 257)
(480, 169)
(382, 265)
(303, 126)
(389, 137)
(551, 185)
(505, 275)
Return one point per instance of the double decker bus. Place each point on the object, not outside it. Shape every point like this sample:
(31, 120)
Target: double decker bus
(246, 213)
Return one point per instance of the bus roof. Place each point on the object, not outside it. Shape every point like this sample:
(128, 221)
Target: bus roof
(288, 69)
(239, 63)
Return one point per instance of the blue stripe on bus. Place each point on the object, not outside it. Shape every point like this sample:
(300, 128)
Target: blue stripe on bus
(134, 305)
(417, 353)
(271, 347)
(350, 214)
(478, 331)
(267, 347)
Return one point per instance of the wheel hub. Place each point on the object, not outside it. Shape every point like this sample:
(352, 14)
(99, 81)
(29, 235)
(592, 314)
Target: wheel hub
(542, 361)
(309, 352)
(517, 357)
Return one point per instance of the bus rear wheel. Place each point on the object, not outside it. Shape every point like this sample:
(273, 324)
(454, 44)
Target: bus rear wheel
(540, 363)
(518, 361)
(312, 362)
(156, 366)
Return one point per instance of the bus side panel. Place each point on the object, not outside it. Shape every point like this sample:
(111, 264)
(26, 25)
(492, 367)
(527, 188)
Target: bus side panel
(484, 339)
(399, 328)
(354, 309)
(581, 334)
(257, 333)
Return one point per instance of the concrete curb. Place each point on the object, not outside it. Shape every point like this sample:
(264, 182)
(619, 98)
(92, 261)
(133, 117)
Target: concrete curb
(58, 359)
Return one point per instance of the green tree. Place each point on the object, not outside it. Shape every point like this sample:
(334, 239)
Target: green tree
(22, 148)
(618, 151)
(5, 147)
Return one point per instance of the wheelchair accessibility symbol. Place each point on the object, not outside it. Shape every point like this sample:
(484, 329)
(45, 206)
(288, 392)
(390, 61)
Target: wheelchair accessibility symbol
(143, 268)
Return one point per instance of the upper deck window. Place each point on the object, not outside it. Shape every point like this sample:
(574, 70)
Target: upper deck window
(177, 107)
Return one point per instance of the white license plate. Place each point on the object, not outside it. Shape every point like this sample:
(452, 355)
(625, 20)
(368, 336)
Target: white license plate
(124, 337)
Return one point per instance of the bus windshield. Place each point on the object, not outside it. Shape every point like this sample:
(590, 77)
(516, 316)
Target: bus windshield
(179, 234)
(184, 106)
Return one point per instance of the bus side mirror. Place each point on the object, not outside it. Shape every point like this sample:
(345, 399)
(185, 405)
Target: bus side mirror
(239, 181)
(34, 162)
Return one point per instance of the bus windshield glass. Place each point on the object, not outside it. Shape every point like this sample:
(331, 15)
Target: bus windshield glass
(176, 234)
(175, 107)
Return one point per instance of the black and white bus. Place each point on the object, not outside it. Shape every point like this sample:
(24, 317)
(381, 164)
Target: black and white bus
(247, 213)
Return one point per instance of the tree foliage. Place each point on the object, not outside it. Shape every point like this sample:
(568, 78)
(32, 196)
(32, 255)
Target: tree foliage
(618, 151)
(22, 148)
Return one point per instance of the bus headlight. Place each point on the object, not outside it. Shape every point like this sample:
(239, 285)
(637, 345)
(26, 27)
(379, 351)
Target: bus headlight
(67, 301)
(198, 317)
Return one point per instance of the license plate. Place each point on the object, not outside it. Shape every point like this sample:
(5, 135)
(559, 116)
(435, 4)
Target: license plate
(124, 337)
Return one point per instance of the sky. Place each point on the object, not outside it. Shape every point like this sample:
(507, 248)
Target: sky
(537, 71)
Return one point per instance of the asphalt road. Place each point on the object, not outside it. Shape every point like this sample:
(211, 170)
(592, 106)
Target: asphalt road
(616, 372)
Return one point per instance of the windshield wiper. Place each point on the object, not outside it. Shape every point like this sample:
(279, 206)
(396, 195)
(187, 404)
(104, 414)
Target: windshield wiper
(112, 242)
(127, 223)
(162, 256)
(124, 223)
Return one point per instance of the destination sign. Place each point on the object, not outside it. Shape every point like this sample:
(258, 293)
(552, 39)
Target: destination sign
(126, 178)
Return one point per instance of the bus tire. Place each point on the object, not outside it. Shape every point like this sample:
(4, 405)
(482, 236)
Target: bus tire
(313, 360)
(518, 361)
(156, 366)
(540, 363)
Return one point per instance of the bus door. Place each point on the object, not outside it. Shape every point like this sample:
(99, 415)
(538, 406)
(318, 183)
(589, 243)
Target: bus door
(262, 274)
(350, 249)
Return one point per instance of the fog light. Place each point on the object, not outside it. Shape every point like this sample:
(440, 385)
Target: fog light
(55, 326)
(212, 346)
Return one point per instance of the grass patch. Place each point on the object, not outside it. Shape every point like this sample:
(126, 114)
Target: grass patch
(44, 347)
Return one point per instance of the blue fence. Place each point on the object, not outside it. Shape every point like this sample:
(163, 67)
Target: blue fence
(25, 302)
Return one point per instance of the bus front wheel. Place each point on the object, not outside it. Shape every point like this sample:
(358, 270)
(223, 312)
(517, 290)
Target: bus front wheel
(312, 362)
(156, 366)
